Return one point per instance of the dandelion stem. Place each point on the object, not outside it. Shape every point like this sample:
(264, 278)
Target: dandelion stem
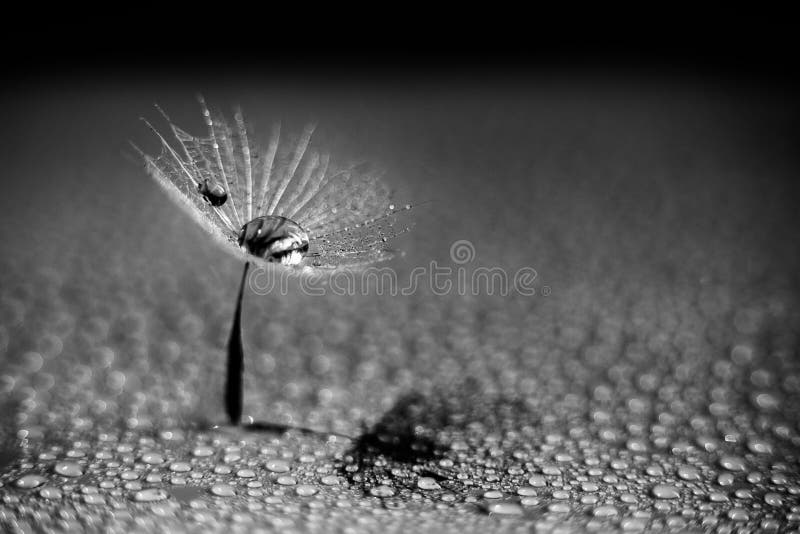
(233, 380)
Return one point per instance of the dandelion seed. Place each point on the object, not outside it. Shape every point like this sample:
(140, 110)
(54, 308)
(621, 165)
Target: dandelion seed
(308, 211)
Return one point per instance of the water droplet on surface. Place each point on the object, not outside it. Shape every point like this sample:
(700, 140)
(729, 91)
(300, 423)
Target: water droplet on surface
(717, 497)
(526, 491)
(277, 466)
(537, 481)
(766, 402)
(68, 469)
(732, 463)
(222, 490)
(725, 479)
(306, 490)
(50, 492)
(759, 446)
(505, 508)
(150, 495)
(665, 491)
(152, 458)
(686, 472)
(738, 514)
(559, 508)
(428, 483)
(382, 491)
(605, 511)
(180, 467)
(633, 525)
(30, 481)
(94, 499)
(202, 452)
(589, 486)
(129, 475)
(636, 445)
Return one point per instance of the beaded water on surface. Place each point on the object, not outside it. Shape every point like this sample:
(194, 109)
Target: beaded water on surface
(657, 389)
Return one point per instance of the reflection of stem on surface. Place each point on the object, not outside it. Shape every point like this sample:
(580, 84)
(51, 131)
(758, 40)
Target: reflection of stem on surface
(233, 380)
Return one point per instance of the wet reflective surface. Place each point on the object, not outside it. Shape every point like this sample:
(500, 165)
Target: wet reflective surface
(651, 383)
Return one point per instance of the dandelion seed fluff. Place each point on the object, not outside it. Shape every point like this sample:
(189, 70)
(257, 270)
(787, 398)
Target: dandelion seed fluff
(288, 204)
(285, 202)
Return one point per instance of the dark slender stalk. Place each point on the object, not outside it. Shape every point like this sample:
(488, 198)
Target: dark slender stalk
(233, 379)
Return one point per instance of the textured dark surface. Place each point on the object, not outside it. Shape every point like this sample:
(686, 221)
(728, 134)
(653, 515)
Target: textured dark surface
(656, 386)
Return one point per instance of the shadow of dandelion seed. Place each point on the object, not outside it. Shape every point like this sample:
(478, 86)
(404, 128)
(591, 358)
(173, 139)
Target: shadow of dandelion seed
(287, 203)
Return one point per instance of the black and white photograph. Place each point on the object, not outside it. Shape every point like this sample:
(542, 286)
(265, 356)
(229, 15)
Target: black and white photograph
(433, 289)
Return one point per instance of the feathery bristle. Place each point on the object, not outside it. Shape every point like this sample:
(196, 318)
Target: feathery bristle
(345, 208)
(269, 162)
(297, 156)
(248, 162)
